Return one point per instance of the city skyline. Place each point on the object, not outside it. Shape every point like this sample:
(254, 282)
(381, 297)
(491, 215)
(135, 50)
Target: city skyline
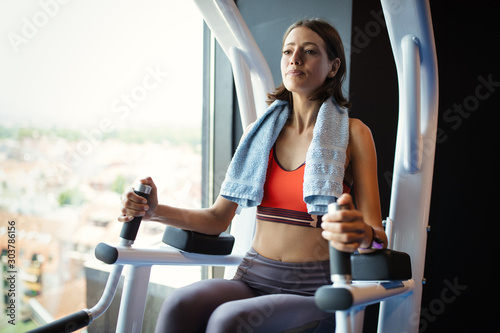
(93, 96)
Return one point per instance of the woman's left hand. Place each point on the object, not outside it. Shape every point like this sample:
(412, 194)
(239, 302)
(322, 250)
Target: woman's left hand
(345, 229)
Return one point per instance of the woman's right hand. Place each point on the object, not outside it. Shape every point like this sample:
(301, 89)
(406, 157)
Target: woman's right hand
(134, 205)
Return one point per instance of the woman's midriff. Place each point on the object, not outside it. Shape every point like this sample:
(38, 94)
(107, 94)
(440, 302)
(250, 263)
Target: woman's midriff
(289, 243)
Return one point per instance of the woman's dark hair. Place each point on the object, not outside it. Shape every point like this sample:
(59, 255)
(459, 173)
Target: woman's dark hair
(334, 49)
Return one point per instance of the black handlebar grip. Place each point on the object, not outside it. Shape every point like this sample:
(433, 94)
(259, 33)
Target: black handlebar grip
(129, 229)
(70, 323)
(340, 262)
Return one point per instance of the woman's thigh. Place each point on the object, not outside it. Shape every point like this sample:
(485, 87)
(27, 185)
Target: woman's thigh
(270, 313)
(188, 309)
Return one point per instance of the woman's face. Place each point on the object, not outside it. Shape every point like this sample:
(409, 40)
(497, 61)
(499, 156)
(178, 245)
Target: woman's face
(304, 62)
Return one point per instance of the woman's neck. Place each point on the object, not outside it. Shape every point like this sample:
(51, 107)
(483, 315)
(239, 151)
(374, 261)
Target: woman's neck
(304, 113)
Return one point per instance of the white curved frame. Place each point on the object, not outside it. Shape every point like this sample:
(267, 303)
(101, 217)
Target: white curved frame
(412, 39)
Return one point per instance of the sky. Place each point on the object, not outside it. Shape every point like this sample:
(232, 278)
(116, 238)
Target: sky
(92, 64)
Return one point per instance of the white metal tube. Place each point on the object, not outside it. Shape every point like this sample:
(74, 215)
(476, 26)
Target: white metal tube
(170, 256)
(361, 295)
(133, 302)
(243, 84)
(342, 322)
(230, 30)
(357, 320)
(108, 294)
(366, 293)
(244, 38)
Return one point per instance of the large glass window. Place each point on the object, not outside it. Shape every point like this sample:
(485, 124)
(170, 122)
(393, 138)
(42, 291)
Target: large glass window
(93, 96)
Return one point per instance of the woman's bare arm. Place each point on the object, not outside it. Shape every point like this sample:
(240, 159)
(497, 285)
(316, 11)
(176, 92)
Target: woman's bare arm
(351, 229)
(210, 221)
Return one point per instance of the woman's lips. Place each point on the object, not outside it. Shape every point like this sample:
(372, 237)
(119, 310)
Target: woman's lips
(294, 72)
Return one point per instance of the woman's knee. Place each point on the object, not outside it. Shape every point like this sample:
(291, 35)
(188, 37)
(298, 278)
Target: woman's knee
(238, 317)
(198, 295)
(179, 307)
(194, 304)
(226, 318)
(177, 303)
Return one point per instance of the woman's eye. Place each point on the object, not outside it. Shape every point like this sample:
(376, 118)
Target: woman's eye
(310, 52)
(287, 52)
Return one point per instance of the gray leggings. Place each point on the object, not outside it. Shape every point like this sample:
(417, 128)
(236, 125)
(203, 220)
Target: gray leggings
(264, 296)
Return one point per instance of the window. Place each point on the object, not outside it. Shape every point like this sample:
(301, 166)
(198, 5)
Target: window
(93, 96)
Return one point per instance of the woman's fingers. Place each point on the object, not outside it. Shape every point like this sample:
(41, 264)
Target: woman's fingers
(125, 218)
(152, 202)
(346, 232)
(344, 241)
(132, 205)
(345, 229)
(346, 199)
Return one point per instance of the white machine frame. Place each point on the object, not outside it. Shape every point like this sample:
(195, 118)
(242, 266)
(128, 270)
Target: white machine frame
(411, 34)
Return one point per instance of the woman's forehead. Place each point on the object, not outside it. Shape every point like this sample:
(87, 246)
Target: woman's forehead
(303, 35)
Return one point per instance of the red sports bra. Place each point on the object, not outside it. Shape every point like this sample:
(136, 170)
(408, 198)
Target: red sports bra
(283, 200)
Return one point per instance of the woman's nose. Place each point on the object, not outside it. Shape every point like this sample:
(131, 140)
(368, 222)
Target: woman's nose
(295, 60)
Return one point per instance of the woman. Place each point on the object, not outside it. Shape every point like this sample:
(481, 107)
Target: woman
(273, 289)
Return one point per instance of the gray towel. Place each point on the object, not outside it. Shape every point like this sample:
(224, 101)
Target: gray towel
(326, 157)
(324, 173)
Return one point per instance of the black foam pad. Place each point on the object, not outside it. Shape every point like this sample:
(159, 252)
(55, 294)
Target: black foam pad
(106, 253)
(328, 298)
(195, 242)
(381, 265)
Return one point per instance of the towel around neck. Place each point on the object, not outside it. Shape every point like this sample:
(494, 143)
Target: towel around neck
(325, 159)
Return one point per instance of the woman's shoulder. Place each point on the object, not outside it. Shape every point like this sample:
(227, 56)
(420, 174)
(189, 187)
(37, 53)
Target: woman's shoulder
(360, 138)
(245, 132)
(248, 128)
(357, 128)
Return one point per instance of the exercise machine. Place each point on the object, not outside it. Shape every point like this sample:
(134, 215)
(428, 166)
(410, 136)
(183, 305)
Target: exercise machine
(391, 277)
